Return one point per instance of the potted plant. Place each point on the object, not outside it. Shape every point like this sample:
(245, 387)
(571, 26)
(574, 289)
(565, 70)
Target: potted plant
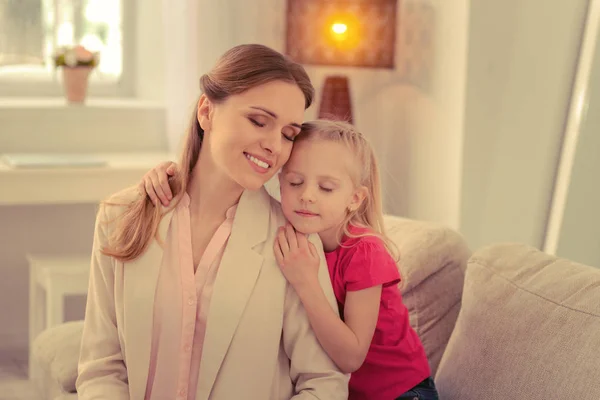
(77, 62)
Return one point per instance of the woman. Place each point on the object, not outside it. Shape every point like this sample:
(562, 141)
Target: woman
(188, 301)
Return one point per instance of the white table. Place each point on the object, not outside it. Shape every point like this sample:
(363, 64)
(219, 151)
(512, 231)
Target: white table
(51, 280)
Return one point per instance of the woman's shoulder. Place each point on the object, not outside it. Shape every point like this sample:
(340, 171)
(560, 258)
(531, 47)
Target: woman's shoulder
(275, 208)
(258, 207)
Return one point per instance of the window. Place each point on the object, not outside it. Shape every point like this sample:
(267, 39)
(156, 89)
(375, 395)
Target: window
(32, 30)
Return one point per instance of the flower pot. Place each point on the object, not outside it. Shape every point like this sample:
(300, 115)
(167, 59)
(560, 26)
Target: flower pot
(75, 80)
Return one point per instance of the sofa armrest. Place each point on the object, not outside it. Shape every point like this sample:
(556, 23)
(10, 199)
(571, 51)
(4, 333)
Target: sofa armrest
(432, 264)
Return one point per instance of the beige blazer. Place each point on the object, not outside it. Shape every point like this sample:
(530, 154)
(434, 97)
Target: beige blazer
(258, 344)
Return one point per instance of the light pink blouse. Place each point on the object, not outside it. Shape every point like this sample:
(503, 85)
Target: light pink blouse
(181, 307)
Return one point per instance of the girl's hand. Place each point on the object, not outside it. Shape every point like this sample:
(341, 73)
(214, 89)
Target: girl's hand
(298, 259)
(155, 184)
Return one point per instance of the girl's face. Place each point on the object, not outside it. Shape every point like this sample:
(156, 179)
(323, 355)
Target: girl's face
(317, 188)
(249, 136)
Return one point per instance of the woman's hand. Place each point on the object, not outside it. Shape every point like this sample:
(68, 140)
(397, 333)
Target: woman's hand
(155, 184)
(297, 257)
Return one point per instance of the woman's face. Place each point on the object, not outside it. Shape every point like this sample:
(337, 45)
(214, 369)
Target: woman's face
(250, 135)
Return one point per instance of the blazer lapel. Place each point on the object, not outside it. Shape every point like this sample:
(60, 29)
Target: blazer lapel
(234, 283)
(140, 279)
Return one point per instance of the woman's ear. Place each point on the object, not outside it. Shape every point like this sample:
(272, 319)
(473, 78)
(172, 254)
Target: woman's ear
(204, 113)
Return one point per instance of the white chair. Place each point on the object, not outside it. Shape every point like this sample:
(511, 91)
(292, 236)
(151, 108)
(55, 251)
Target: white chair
(51, 280)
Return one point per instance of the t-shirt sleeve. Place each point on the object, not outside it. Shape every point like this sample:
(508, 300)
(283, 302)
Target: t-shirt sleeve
(370, 265)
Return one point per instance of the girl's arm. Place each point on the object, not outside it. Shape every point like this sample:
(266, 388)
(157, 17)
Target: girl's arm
(346, 343)
(155, 183)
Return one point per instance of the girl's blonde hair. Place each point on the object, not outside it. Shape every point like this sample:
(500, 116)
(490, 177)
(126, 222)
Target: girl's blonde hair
(239, 69)
(370, 213)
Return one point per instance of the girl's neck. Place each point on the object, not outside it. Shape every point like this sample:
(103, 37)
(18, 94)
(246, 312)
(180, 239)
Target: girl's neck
(211, 192)
(331, 238)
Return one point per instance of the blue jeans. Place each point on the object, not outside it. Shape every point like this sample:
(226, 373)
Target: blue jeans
(423, 391)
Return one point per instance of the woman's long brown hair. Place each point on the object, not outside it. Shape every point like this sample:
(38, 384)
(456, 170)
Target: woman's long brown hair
(239, 69)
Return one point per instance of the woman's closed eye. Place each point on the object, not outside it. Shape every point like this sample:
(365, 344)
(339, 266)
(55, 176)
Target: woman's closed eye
(259, 124)
(289, 133)
(255, 122)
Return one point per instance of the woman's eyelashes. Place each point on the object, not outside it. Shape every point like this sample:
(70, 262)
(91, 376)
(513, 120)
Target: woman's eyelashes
(255, 122)
(262, 125)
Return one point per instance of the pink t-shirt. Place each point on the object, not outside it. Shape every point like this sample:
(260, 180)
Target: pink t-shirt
(396, 361)
(181, 307)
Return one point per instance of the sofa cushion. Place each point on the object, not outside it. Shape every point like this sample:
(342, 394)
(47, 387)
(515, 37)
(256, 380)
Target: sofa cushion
(528, 328)
(56, 352)
(432, 263)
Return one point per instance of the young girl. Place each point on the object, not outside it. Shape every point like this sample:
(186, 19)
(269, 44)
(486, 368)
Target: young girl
(330, 186)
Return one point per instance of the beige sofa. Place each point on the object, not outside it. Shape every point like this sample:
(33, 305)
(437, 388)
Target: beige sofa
(526, 326)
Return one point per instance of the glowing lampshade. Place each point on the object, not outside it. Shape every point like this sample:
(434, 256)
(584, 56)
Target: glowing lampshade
(359, 33)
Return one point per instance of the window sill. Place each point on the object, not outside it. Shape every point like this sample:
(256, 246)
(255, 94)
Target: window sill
(106, 125)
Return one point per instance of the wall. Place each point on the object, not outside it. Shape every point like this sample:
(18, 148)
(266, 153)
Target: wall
(520, 70)
(430, 144)
(407, 126)
(579, 237)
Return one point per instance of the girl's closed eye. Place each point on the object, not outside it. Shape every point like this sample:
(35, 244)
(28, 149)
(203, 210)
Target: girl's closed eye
(295, 184)
(326, 189)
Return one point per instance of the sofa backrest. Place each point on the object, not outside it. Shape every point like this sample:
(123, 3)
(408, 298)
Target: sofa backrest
(528, 328)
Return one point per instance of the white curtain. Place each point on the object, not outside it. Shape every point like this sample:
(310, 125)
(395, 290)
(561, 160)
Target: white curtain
(21, 32)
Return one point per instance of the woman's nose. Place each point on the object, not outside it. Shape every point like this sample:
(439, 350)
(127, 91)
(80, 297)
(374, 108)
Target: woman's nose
(272, 142)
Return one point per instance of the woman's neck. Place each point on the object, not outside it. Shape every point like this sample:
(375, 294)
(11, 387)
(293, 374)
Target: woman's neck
(211, 192)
